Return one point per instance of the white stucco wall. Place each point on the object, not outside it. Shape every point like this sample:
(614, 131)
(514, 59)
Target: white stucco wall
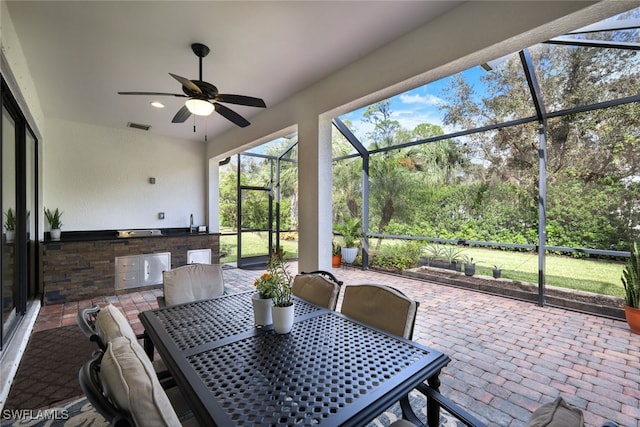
(100, 176)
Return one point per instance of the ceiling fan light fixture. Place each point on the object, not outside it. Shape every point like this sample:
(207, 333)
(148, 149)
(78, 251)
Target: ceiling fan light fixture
(199, 107)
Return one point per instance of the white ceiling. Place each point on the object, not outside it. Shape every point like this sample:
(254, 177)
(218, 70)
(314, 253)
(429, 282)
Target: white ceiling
(81, 53)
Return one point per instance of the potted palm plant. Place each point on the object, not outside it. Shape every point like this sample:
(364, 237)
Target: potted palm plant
(631, 283)
(10, 225)
(55, 221)
(351, 234)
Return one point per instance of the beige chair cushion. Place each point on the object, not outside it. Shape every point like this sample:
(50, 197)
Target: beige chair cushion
(192, 282)
(556, 414)
(111, 323)
(316, 289)
(380, 306)
(129, 381)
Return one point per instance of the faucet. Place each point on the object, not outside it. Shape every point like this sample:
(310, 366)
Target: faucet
(191, 223)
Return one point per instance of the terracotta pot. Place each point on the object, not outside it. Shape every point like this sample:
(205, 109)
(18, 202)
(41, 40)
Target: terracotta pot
(336, 260)
(633, 318)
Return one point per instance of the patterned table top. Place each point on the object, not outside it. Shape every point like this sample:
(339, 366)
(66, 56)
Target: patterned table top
(329, 370)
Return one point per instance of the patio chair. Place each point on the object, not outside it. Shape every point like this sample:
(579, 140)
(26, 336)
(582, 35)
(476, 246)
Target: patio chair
(192, 282)
(553, 414)
(102, 325)
(120, 384)
(381, 306)
(317, 287)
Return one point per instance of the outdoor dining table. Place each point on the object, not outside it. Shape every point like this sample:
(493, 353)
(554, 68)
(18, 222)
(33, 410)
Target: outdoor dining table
(329, 370)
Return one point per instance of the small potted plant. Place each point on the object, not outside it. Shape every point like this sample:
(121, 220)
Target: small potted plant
(283, 308)
(453, 257)
(336, 254)
(262, 300)
(55, 221)
(469, 265)
(631, 283)
(10, 225)
(497, 271)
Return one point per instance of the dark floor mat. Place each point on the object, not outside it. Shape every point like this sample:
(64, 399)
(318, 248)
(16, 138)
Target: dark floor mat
(48, 371)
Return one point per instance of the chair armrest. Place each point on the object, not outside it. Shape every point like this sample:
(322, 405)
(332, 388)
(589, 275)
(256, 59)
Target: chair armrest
(444, 403)
(86, 320)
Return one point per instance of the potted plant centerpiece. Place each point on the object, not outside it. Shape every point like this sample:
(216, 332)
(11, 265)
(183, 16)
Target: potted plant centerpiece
(631, 283)
(336, 254)
(10, 225)
(55, 221)
(282, 311)
(351, 234)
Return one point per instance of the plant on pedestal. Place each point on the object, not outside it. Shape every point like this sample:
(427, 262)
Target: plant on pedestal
(10, 225)
(55, 221)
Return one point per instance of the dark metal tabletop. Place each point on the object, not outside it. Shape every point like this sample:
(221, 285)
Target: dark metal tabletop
(329, 370)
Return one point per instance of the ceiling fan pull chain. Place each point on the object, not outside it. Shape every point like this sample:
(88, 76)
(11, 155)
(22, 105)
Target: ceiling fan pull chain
(194, 124)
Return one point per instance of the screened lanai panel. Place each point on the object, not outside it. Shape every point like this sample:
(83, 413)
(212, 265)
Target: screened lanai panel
(481, 187)
(347, 188)
(255, 170)
(574, 76)
(594, 179)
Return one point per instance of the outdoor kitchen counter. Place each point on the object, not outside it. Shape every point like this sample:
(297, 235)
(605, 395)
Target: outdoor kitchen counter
(80, 236)
(82, 264)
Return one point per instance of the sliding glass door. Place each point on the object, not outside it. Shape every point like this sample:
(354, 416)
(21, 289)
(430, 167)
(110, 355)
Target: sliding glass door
(19, 206)
(9, 288)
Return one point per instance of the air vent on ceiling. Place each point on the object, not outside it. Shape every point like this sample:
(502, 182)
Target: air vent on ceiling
(138, 126)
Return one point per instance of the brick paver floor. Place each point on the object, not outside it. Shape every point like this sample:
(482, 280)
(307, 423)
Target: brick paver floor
(507, 357)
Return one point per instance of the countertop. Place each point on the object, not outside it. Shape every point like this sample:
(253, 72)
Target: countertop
(91, 235)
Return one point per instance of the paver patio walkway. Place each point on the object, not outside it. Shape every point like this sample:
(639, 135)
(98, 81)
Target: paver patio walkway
(508, 356)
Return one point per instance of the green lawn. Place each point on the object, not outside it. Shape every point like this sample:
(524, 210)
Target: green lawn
(255, 243)
(591, 275)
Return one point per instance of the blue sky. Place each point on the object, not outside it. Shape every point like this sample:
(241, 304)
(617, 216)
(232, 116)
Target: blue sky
(419, 105)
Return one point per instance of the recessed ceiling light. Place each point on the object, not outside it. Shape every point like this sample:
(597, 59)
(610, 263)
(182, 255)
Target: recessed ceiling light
(157, 104)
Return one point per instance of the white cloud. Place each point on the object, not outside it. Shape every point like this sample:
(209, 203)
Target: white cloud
(427, 99)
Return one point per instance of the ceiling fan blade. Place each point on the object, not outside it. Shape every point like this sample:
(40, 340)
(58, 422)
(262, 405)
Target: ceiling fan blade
(241, 100)
(182, 115)
(153, 93)
(187, 83)
(229, 114)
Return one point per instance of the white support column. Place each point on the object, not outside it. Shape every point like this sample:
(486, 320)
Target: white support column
(314, 184)
(213, 196)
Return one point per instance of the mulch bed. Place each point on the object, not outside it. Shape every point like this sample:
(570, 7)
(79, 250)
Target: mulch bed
(48, 371)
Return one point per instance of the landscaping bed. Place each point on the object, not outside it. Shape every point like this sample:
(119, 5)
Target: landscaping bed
(603, 305)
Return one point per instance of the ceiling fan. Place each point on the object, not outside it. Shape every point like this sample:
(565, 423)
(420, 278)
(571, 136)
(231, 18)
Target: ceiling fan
(203, 97)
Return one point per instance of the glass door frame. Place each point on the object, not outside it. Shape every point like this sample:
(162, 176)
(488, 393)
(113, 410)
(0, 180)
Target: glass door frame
(25, 275)
(254, 261)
